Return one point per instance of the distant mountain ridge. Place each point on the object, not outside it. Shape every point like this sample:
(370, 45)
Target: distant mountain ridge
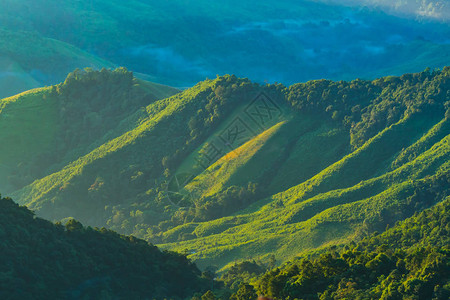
(29, 60)
(230, 169)
(180, 43)
(422, 9)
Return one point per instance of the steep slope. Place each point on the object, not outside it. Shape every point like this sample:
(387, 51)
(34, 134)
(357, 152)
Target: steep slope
(48, 127)
(361, 189)
(332, 217)
(41, 260)
(410, 260)
(230, 169)
(160, 136)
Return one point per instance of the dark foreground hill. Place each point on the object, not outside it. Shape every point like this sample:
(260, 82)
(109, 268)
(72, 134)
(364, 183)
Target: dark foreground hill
(41, 260)
(230, 169)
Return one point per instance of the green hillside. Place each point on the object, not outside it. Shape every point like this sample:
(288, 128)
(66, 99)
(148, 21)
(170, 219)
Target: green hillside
(408, 261)
(225, 150)
(41, 260)
(29, 60)
(48, 127)
(230, 169)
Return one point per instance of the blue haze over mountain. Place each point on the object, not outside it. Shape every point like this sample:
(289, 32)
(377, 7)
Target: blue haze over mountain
(181, 42)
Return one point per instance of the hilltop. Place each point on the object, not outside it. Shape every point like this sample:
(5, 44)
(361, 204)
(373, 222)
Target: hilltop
(46, 128)
(29, 60)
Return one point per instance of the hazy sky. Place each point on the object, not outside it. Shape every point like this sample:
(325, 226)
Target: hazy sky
(434, 9)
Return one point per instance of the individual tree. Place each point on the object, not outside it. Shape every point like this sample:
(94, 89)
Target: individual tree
(245, 292)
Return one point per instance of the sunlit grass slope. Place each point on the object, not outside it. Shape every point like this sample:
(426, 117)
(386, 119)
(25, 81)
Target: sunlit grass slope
(230, 170)
(235, 167)
(285, 229)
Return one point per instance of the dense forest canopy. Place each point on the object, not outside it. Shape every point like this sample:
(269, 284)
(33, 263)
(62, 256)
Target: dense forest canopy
(41, 260)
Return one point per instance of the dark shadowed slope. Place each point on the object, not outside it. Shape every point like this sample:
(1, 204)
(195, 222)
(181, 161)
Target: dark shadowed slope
(41, 260)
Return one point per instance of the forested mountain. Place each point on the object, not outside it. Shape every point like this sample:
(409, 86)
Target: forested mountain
(112, 116)
(47, 128)
(409, 261)
(181, 42)
(41, 260)
(231, 169)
